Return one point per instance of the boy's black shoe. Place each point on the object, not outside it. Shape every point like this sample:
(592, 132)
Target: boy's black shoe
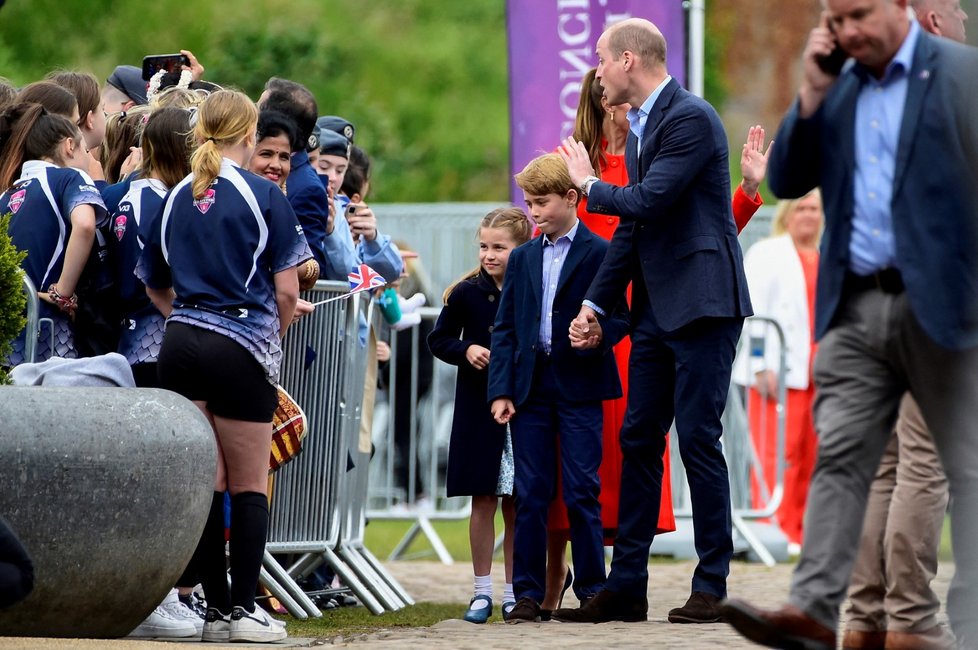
(527, 610)
(606, 606)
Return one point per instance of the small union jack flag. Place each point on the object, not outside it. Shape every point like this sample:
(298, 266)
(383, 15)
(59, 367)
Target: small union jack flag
(364, 278)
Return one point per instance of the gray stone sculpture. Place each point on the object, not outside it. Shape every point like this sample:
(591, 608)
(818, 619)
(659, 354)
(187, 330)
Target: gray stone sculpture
(108, 489)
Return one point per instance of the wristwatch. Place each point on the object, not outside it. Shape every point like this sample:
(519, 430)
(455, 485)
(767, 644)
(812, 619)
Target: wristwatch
(588, 182)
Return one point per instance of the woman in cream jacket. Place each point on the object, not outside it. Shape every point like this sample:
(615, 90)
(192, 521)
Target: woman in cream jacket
(781, 273)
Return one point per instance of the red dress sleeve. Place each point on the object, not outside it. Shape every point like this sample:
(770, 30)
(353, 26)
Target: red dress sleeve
(744, 207)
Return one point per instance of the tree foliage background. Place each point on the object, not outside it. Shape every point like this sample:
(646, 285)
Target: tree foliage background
(423, 80)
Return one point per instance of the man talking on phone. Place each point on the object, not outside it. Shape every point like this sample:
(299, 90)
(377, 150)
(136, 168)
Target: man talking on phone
(892, 139)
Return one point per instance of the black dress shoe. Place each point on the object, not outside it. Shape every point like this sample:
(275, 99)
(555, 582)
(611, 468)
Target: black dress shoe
(606, 606)
(526, 610)
(700, 608)
(786, 627)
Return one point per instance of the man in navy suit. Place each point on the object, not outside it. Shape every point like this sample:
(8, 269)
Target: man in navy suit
(892, 138)
(677, 244)
(545, 387)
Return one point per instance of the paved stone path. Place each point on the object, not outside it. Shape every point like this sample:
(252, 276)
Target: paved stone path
(670, 588)
(433, 582)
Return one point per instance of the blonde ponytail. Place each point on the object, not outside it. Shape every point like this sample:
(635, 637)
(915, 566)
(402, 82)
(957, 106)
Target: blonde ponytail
(225, 118)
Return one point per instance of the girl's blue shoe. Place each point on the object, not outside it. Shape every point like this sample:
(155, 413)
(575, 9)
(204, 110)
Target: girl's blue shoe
(479, 611)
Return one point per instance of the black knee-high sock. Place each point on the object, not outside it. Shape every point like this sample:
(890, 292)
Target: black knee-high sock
(191, 575)
(211, 560)
(249, 530)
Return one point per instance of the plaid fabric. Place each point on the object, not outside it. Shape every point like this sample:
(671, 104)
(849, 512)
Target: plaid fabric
(288, 429)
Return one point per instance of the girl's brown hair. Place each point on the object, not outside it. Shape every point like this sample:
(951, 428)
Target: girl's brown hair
(29, 132)
(590, 118)
(166, 145)
(51, 96)
(122, 131)
(225, 118)
(84, 86)
(512, 220)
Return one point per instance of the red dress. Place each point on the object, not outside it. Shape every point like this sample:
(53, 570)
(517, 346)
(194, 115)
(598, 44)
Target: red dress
(613, 171)
(614, 410)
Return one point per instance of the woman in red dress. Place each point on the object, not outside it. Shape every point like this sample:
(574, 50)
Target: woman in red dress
(604, 130)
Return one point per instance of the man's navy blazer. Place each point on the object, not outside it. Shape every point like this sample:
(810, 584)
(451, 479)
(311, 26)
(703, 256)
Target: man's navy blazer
(935, 188)
(677, 231)
(582, 375)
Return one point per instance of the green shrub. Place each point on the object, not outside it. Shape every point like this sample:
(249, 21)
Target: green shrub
(12, 298)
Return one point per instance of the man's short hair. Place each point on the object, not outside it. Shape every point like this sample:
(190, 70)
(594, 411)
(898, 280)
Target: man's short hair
(296, 101)
(640, 38)
(546, 174)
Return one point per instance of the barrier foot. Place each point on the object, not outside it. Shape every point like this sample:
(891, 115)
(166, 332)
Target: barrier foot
(382, 571)
(353, 582)
(752, 540)
(371, 580)
(423, 525)
(279, 592)
(294, 592)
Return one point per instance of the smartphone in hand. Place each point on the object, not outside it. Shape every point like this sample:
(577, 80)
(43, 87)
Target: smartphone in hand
(832, 63)
(168, 62)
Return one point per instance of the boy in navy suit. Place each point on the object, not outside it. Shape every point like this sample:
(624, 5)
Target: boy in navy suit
(543, 386)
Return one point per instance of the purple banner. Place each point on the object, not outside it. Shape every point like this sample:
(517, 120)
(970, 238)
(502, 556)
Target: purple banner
(551, 47)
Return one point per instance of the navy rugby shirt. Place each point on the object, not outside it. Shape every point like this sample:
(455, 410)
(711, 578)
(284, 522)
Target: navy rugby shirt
(220, 254)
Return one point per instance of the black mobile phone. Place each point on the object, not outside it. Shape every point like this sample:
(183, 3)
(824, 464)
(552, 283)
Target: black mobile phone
(168, 62)
(832, 62)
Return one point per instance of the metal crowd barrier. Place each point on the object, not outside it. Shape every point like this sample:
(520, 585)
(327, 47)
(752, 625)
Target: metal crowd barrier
(430, 430)
(318, 499)
(32, 330)
(742, 456)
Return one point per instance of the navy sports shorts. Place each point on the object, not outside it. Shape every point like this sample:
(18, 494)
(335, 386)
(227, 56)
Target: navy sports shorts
(205, 366)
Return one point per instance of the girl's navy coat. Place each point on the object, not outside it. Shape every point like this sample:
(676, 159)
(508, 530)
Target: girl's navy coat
(476, 446)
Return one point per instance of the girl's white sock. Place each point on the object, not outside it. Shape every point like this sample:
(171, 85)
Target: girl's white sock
(483, 585)
(508, 595)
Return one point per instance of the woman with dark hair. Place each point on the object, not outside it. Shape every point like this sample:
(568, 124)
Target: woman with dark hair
(55, 208)
(273, 153)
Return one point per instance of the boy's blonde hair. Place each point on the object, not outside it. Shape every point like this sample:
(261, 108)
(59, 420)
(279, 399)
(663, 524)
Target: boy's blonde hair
(546, 174)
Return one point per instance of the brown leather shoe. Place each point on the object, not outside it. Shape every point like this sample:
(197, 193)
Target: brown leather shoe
(786, 627)
(700, 608)
(606, 606)
(863, 640)
(936, 638)
(526, 610)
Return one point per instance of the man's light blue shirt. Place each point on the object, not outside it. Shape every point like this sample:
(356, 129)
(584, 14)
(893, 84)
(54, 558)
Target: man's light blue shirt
(879, 116)
(637, 117)
(554, 254)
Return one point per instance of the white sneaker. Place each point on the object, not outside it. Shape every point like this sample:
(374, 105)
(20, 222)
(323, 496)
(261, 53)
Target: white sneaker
(217, 626)
(179, 611)
(257, 627)
(161, 624)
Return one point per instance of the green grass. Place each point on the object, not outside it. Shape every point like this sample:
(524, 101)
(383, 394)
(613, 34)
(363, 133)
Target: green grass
(382, 536)
(353, 621)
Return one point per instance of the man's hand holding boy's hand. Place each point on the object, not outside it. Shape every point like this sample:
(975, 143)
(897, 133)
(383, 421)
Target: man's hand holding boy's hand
(503, 410)
(585, 330)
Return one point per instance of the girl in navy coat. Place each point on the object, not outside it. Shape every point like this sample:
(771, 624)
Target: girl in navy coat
(461, 337)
